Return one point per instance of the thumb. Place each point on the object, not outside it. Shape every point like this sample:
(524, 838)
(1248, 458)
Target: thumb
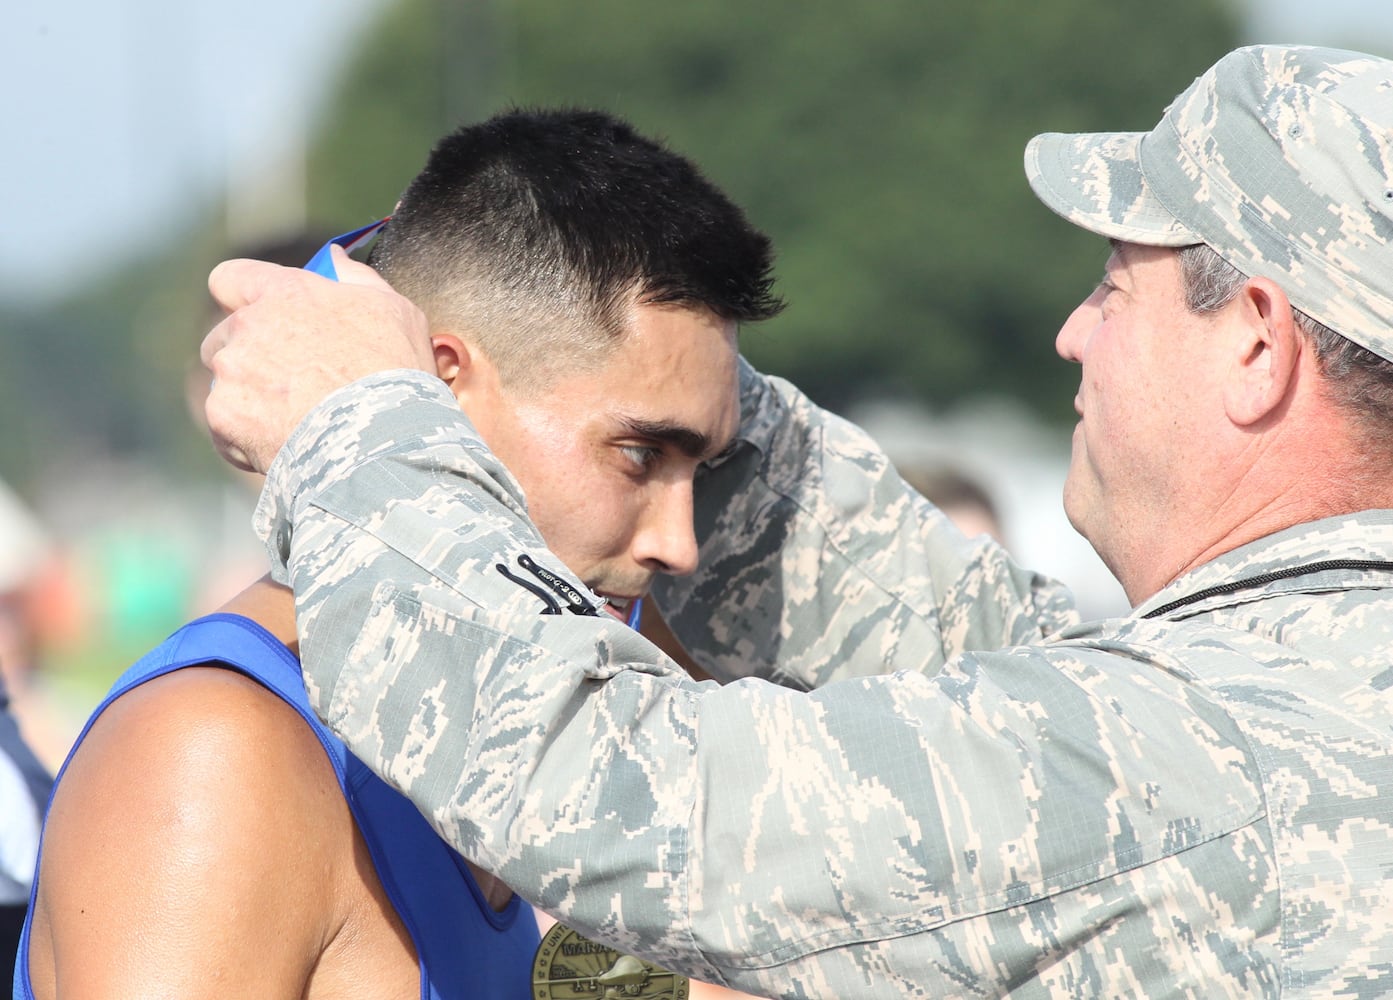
(237, 283)
(351, 272)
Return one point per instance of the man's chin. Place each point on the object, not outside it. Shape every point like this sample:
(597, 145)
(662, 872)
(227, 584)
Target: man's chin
(1075, 507)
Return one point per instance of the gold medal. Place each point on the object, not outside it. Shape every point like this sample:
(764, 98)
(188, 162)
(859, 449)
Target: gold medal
(567, 965)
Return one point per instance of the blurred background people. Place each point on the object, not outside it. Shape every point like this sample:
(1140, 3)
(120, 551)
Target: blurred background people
(24, 787)
(959, 495)
(35, 594)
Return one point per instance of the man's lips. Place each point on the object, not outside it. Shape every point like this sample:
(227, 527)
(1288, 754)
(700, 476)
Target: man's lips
(618, 606)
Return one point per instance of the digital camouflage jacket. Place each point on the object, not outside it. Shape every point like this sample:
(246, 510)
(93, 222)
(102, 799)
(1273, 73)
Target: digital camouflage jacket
(952, 788)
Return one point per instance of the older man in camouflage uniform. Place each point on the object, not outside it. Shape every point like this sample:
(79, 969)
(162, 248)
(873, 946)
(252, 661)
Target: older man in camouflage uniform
(951, 788)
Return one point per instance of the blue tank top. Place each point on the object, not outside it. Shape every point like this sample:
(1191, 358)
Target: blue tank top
(465, 948)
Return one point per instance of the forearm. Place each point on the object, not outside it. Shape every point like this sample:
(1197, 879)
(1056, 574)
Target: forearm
(824, 843)
(562, 751)
(445, 675)
(819, 563)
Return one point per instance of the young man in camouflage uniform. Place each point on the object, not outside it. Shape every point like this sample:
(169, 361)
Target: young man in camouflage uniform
(1193, 800)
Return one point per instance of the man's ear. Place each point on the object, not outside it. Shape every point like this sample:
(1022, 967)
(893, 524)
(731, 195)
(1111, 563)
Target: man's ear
(453, 360)
(1267, 351)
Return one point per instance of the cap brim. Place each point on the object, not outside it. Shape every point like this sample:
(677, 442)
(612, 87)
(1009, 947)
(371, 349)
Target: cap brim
(1095, 181)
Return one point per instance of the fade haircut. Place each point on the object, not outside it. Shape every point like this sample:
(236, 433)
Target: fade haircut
(532, 234)
(1358, 379)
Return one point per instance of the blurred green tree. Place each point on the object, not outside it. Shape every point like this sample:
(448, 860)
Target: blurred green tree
(101, 373)
(879, 144)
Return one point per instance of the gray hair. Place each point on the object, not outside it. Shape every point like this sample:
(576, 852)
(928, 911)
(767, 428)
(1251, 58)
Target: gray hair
(1359, 379)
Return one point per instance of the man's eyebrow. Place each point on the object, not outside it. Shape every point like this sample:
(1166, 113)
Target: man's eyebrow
(693, 444)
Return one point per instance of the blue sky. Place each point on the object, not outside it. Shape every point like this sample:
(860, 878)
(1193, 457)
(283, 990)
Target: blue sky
(120, 117)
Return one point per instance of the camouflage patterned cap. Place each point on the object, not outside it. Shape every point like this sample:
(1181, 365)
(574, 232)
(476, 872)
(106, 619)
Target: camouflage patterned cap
(1279, 157)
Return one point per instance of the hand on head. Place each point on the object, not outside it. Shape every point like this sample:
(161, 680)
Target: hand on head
(290, 339)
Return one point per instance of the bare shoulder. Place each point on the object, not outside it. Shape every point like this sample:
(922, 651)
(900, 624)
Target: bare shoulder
(198, 832)
(199, 747)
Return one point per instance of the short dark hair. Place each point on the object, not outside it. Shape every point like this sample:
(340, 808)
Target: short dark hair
(532, 233)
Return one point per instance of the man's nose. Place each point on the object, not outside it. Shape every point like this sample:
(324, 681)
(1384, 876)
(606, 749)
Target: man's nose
(1072, 336)
(666, 539)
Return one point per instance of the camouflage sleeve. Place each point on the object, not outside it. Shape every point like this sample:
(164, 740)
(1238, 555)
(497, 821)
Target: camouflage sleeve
(819, 563)
(879, 837)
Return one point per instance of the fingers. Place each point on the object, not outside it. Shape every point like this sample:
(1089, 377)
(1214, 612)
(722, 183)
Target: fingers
(213, 342)
(352, 272)
(224, 402)
(213, 409)
(240, 282)
(290, 339)
(236, 284)
(233, 455)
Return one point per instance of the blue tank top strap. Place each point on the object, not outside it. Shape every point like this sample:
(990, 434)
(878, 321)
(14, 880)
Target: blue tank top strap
(237, 643)
(464, 947)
